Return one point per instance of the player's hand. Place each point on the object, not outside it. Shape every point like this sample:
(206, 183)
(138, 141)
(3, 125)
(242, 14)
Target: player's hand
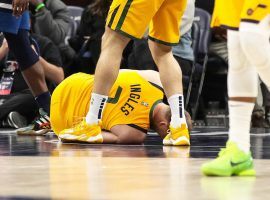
(19, 6)
(5, 44)
(4, 49)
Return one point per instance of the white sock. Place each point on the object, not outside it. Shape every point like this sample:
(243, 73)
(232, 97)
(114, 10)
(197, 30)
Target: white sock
(97, 105)
(178, 110)
(240, 118)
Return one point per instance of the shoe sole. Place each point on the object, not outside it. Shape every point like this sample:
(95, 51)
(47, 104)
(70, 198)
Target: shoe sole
(167, 142)
(33, 132)
(246, 172)
(181, 141)
(81, 138)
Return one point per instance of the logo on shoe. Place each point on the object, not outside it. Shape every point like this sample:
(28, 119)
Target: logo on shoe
(233, 164)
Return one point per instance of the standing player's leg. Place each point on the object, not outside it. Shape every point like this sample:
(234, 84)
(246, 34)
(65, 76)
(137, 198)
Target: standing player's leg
(242, 88)
(106, 73)
(16, 31)
(31, 69)
(164, 33)
(17, 35)
(171, 78)
(253, 40)
(255, 43)
(236, 159)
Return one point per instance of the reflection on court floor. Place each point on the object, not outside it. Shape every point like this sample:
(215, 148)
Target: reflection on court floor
(43, 168)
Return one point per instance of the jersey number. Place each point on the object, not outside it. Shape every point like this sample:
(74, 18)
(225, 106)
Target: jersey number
(116, 97)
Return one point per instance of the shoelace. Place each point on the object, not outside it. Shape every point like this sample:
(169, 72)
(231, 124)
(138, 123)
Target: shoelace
(78, 125)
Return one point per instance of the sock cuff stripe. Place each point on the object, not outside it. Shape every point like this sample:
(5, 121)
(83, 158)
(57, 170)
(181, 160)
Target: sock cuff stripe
(180, 107)
(175, 96)
(101, 108)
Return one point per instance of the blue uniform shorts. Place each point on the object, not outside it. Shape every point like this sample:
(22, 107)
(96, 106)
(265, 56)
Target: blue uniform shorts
(11, 24)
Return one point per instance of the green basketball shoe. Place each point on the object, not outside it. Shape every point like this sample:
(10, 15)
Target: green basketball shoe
(230, 161)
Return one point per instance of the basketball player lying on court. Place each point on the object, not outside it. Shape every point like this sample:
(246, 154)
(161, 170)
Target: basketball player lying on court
(135, 105)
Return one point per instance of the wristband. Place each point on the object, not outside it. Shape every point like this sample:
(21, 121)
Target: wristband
(39, 6)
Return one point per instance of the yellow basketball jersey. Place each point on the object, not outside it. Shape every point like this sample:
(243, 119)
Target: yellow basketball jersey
(130, 102)
(229, 13)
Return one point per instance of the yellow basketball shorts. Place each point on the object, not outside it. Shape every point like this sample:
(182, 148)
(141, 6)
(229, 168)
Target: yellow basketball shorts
(163, 17)
(229, 13)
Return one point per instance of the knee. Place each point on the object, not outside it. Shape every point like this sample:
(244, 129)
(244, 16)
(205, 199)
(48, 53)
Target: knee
(21, 48)
(158, 51)
(113, 40)
(255, 44)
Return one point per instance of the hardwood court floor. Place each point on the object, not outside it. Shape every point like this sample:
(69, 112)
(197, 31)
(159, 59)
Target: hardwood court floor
(42, 168)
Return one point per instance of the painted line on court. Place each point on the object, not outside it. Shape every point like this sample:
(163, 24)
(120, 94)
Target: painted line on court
(226, 133)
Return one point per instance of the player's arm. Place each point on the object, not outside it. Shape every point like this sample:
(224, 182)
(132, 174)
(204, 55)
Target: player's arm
(4, 50)
(19, 6)
(52, 72)
(123, 134)
(149, 75)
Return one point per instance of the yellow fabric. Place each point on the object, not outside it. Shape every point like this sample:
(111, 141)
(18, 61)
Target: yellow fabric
(70, 101)
(132, 17)
(230, 13)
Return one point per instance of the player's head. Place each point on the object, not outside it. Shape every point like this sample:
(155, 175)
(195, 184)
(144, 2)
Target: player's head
(161, 119)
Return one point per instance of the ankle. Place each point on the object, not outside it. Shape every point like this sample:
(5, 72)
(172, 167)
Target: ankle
(177, 122)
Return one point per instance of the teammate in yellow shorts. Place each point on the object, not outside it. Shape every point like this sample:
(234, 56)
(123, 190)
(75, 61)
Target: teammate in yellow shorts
(129, 19)
(135, 105)
(248, 23)
(230, 13)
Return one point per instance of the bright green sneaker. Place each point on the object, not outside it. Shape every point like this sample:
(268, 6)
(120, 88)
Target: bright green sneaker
(230, 161)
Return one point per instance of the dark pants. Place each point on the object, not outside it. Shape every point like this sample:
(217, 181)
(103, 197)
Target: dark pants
(186, 65)
(22, 102)
(141, 58)
(266, 95)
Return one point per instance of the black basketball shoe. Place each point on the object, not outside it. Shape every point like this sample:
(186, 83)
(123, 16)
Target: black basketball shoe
(40, 126)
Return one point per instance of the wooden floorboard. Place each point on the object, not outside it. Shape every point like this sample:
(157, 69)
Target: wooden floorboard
(42, 168)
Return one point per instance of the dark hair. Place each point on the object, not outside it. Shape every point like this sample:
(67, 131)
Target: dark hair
(100, 7)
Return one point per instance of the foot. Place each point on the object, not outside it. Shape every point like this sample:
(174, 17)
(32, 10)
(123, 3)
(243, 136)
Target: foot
(82, 132)
(40, 126)
(177, 136)
(230, 161)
